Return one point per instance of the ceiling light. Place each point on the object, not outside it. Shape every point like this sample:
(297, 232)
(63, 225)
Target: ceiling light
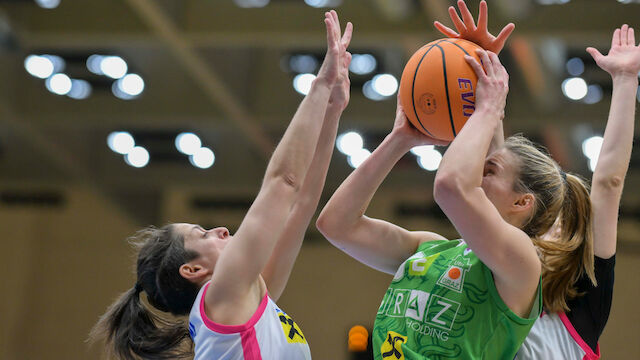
(575, 66)
(370, 93)
(188, 143)
(591, 146)
(113, 66)
(349, 143)
(430, 160)
(93, 64)
(574, 88)
(421, 150)
(137, 157)
(384, 84)
(131, 84)
(251, 3)
(362, 64)
(592, 163)
(203, 158)
(59, 84)
(303, 63)
(323, 3)
(120, 142)
(38, 66)
(48, 4)
(594, 94)
(358, 157)
(302, 83)
(80, 89)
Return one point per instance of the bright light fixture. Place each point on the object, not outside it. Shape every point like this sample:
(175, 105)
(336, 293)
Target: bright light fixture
(131, 84)
(188, 143)
(48, 4)
(575, 66)
(362, 64)
(574, 88)
(59, 84)
(592, 163)
(303, 63)
(358, 157)
(113, 66)
(349, 143)
(430, 160)
(385, 84)
(202, 158)
(302, 83)
(120, 142)
(594, 94)
(370, 93)
(421, 150)
(80, 89)
(591, 146)
(138, 157)
(251, 3)
(38, 66)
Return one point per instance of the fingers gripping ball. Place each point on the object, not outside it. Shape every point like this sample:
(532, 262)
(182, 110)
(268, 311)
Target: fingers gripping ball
(437, 89)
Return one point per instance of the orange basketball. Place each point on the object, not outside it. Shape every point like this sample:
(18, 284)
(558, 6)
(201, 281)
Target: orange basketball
(437, 89)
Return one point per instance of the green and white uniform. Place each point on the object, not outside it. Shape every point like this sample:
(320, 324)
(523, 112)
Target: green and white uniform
(443, 304)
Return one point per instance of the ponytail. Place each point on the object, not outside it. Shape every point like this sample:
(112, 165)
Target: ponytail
(562, 203)
(129, 327)
(570, 257)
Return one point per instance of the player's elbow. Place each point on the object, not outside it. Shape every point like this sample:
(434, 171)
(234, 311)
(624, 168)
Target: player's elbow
(286, 182)
(608, 182)
(447, 187)
(331, 224)
(326, 224)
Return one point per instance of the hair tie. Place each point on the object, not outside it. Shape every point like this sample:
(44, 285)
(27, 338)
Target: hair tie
(138, 288)
(564, 175)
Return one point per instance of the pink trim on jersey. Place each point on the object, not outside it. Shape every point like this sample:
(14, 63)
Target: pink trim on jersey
(232, 329)
(250, 346)
(589, 354)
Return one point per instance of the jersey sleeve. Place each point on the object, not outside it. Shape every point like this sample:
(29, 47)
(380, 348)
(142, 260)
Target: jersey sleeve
(589, 313)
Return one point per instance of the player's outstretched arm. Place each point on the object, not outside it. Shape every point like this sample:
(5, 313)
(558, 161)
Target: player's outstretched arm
(622, 63)
(376, 243)
(238, 268)
(502, 247)
(277, 271)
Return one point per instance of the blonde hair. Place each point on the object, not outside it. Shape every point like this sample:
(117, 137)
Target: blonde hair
(558, 196)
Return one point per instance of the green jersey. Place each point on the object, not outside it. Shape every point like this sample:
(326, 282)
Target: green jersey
(443, 304)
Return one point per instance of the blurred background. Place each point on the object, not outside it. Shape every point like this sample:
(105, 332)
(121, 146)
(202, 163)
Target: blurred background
(95, 93)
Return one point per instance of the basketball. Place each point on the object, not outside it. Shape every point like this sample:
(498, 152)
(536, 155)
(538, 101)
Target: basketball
(437, 89)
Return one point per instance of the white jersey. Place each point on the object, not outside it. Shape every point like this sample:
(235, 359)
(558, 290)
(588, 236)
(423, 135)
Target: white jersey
(269, 334)
(552, 337)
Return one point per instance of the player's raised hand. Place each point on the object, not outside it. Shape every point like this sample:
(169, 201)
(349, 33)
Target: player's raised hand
(623, 57)
(330, 69)
(468, 30)
(341, 90)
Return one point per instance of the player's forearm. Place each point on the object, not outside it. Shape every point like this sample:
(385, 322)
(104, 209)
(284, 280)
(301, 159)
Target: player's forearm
(497, 141)
(293, 155)
(315, 178)
(463, 164)
(350, 201)
(613, 161)
(278, 270)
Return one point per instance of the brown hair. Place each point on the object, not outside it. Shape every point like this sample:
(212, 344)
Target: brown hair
(562, 197)
(130, 327)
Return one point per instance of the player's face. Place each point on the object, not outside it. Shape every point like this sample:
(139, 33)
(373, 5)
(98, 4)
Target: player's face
(208, 243)
(500, 169)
